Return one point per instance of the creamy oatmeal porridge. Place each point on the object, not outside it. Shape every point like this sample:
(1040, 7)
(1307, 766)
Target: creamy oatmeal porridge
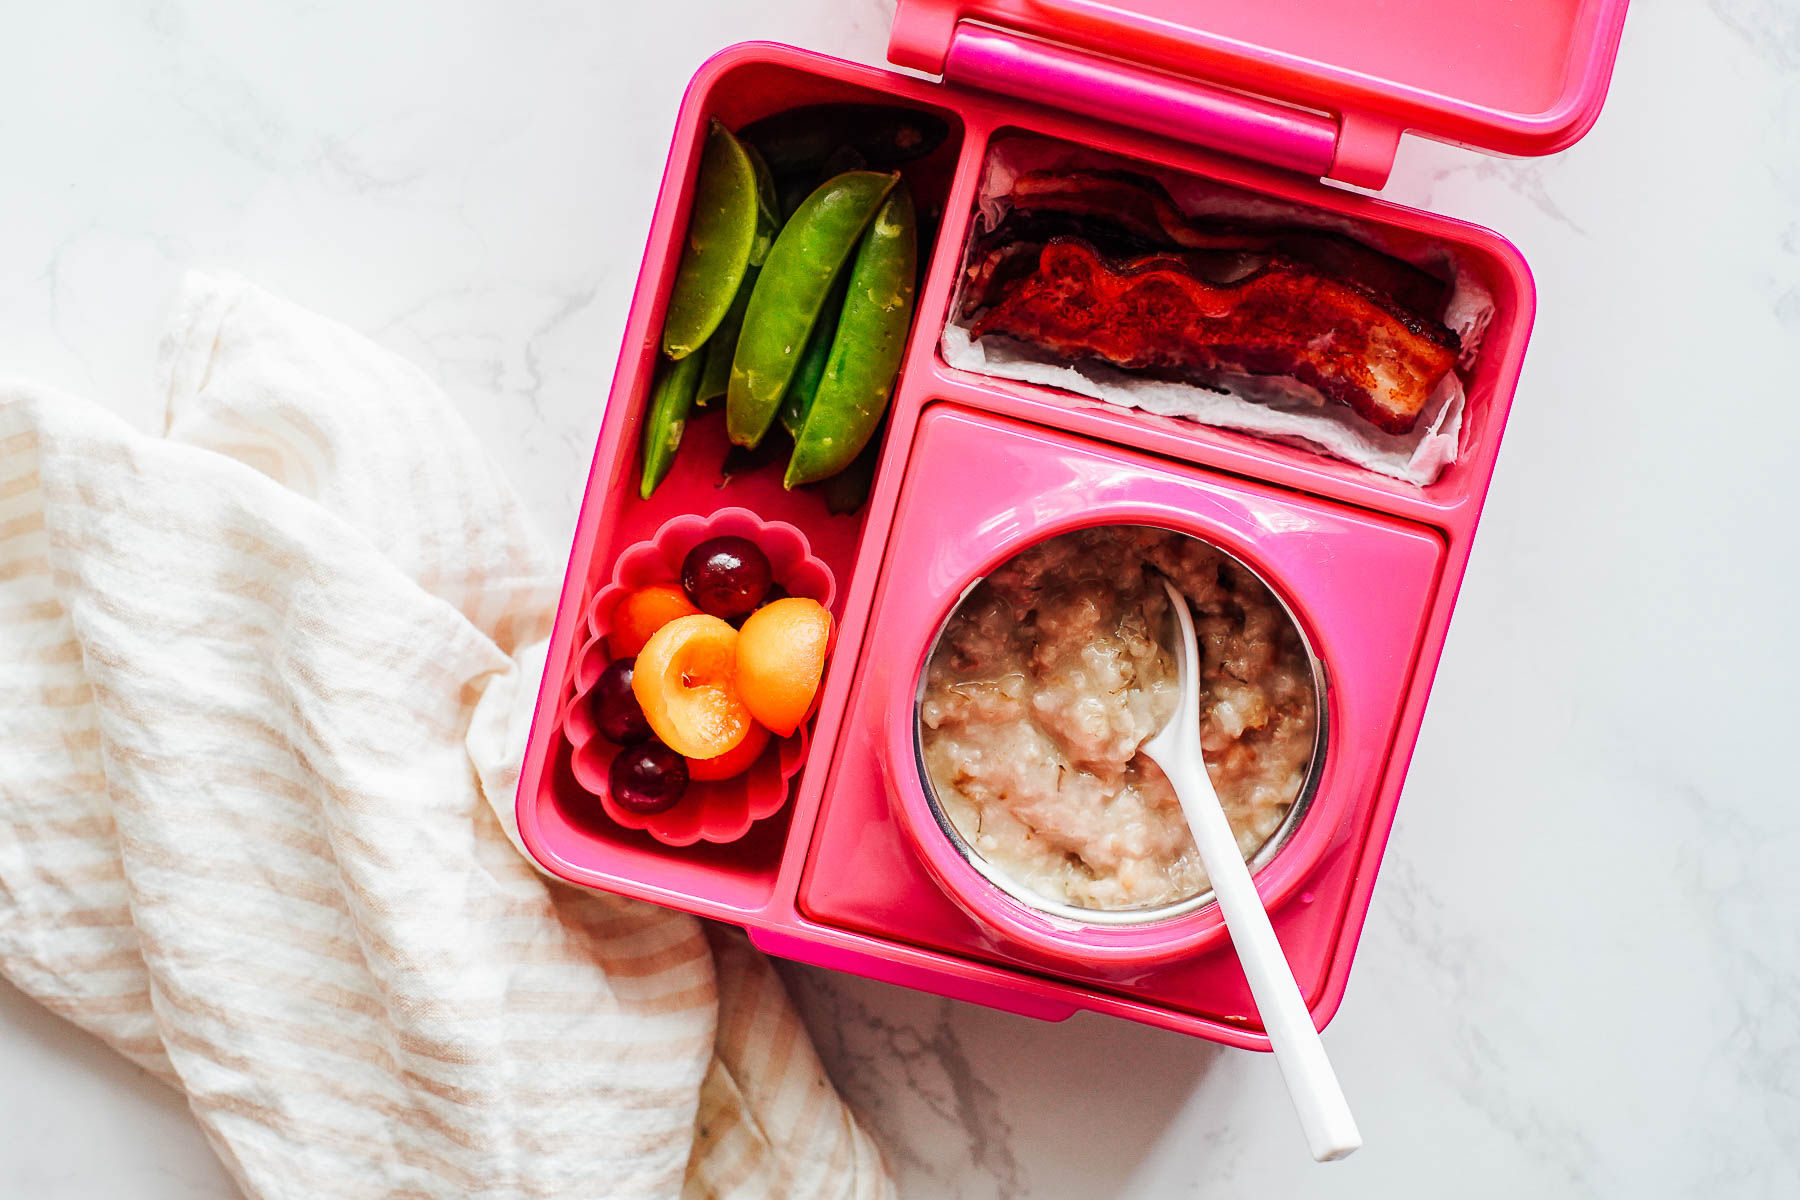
(1052, 672)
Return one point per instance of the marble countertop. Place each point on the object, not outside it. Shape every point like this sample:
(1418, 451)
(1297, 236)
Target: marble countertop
(1580, 973)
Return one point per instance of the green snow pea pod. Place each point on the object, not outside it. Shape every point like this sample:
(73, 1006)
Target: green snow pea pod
(796, 277)
(849, 489)
(865, 355)
(768, 209)
(671, 396)
(805, 384)
(723, 342)
(732, 213)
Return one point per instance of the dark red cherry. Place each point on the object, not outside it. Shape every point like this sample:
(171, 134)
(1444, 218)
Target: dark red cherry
(726, 576)
(647, 779)
(616, 710)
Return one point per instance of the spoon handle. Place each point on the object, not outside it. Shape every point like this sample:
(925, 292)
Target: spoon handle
(1325, 1117)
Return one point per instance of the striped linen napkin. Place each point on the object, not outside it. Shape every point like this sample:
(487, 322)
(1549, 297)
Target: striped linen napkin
(265, 683)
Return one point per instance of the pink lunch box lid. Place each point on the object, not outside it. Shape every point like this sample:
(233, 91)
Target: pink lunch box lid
(1332, 84)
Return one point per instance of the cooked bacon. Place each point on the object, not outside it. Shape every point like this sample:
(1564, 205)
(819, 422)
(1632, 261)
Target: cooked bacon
(1180, 313)
(991, 268)
(1011, 251)
(1141, 207)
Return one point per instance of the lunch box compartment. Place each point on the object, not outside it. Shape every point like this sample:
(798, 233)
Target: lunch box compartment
(563, 819)
(1361, 587)
(1490, 262)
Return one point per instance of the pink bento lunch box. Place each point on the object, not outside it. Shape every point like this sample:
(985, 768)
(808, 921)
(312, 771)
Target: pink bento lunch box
(1267, 98)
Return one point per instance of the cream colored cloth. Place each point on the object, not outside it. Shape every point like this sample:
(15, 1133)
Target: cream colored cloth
(264, 686)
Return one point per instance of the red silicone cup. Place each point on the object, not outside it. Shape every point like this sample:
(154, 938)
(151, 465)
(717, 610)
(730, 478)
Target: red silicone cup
(720, 810)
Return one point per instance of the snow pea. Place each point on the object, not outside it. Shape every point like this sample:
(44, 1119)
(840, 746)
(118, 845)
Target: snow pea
(808, 254)
(848, 490)
(733, 216)
(723, 342)
(805, 384)
(865, 355)
(671, 396)
(768, 208)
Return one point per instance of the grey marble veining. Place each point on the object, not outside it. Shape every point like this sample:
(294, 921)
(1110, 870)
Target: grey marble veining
(1581, 972)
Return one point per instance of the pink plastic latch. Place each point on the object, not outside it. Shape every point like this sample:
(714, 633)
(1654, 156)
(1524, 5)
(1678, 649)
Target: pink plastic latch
(1044, 73)
(1365, 151)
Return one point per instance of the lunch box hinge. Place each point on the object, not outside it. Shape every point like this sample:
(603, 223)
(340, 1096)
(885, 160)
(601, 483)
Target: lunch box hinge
(1355, 150)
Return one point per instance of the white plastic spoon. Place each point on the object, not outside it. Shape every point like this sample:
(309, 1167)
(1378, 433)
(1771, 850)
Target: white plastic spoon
(1324, 1114)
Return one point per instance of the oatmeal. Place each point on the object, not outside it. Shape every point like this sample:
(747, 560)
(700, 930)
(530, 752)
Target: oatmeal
(1053, 671)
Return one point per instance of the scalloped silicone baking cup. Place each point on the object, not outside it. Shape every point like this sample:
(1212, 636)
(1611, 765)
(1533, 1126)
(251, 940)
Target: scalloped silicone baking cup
(719, 810)
(658, 560)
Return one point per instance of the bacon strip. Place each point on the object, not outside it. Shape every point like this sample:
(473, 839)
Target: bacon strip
(1010, 252)
(1180, 313)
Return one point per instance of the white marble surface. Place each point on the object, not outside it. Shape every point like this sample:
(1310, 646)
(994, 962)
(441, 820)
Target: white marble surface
(1580, 974)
